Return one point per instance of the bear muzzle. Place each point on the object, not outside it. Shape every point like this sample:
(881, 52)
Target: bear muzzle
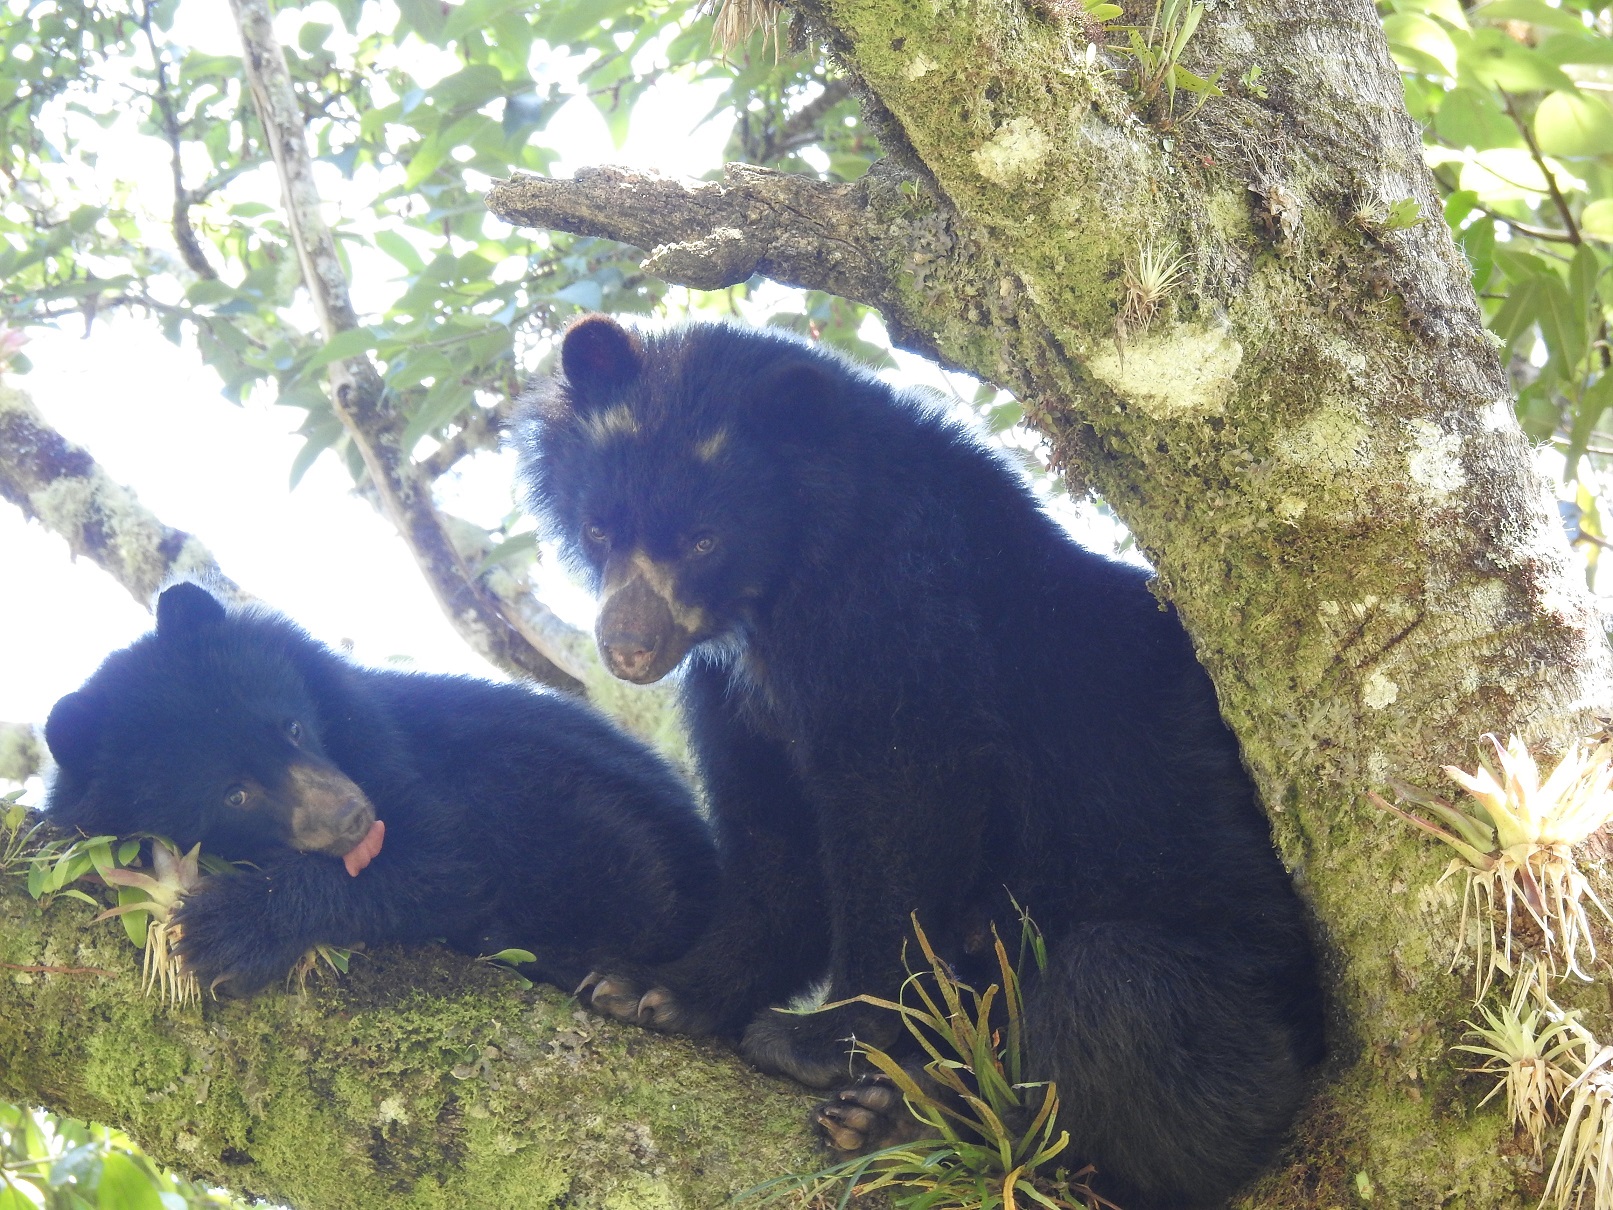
(642, 630)
(329, 813)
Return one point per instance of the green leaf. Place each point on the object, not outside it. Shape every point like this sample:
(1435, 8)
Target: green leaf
(399, 249)
(1533, 12)
(1473, 117)
(1517, 314)
(1598, 396)
(512, 956)
(505, 552)
(1561, 325)
(1571, 124)
(1420, 45)
(1492, 58)
(425, 17)
(584, 294)
(352, 343)
(125, 1185)
(1597, 220)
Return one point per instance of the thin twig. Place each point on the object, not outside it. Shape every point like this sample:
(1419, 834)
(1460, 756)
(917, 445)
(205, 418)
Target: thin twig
(59, 970)
(190, 246)
(1561, 202)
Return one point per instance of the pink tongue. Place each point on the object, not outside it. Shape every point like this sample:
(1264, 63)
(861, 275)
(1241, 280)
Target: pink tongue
(361, 854)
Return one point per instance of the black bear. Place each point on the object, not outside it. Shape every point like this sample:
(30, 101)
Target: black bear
(908, 690)
(376, 805)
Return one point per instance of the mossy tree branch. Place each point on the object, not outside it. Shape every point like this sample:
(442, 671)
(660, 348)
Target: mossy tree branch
(1313, 441)
(418, 1080)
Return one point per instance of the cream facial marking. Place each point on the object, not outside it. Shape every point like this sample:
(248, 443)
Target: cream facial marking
(618, 421)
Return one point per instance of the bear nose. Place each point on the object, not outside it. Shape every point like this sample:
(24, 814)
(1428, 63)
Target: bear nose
(630, 655)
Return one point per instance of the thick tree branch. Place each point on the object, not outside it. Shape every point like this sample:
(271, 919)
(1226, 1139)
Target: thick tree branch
(419, 1079)
(58, 484)
(855, 240)
(495, 628)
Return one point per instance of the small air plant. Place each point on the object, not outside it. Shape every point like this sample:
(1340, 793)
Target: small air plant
(1148, 278)
(737, 20)
(1517, 848)
(1524, 1043)
(1584, 1160)
(973, 1159)
(173, 876)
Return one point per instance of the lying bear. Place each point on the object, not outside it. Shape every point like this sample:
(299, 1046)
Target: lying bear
(375, 805)
(909, 691)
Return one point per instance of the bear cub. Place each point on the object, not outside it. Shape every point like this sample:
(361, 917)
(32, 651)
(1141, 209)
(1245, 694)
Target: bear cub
(375, 805)
(910, 691)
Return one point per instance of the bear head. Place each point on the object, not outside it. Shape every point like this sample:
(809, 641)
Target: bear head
(681, 473)
(204, 730)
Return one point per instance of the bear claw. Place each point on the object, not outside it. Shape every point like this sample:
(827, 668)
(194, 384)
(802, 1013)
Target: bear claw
(866, 1116)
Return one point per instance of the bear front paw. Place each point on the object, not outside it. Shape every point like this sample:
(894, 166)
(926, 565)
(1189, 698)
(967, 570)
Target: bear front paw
(223, 938)
(818, 1049)
(627, 999)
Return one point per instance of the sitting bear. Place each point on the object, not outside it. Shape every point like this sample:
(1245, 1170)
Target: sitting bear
(376, 805)
(909, 691)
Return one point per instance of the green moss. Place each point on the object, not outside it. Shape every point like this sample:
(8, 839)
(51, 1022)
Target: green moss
(419, 1079)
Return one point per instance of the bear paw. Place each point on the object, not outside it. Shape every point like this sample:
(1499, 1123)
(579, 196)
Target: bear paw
(818, 1048)
(867, 1116)
(625, 999)
(224, 941)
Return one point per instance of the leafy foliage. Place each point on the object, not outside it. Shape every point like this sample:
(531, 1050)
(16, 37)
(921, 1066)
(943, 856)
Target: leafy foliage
(1514, 96)
(991, 1136)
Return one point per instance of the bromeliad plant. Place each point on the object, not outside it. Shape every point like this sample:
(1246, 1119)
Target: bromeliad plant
(146, 903)
(978, 1156)
(1525, 1044)
(1514, 842)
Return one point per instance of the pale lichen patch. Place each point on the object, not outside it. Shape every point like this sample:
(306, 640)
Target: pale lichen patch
(920, 66)
(1183, 371)
(1434, 463)
(1014, 153)
(1331, 440)
(1379, 691)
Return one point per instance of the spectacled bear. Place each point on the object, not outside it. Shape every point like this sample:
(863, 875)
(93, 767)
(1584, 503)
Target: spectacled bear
(909, 691)
(375, 805)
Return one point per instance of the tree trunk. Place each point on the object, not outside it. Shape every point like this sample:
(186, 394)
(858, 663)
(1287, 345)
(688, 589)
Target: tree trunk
(1313, 441)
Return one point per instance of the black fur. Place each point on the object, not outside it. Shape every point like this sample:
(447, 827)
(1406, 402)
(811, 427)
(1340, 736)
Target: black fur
(513, 818)
(910, 690)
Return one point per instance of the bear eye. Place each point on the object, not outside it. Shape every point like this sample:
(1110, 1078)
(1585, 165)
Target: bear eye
(594, 533)
(237, 797)
(704, 544)
(294, 731)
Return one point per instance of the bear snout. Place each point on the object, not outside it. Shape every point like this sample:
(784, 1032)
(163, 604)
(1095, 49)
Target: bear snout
(329, 813)
(639, 638)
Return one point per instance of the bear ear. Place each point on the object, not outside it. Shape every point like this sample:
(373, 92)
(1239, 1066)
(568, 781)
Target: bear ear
(185, 608)
(72, 729)
(599, 357)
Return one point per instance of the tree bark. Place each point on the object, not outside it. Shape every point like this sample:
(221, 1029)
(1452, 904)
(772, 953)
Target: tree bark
(418, 1079)
(1313, 441)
